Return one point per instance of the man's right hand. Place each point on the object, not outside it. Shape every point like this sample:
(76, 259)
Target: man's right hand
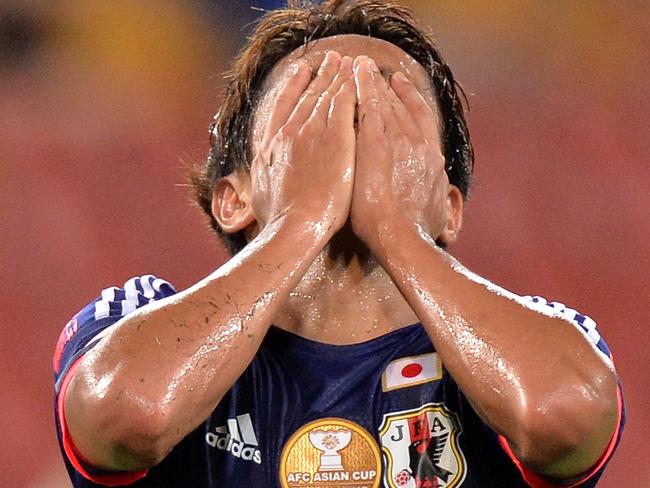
(305, 160)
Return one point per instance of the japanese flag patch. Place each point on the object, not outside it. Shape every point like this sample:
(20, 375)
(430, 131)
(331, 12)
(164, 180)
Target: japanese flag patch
(411, 371)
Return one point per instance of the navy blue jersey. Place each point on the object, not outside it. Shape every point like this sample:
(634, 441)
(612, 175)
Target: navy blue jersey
(307, 414)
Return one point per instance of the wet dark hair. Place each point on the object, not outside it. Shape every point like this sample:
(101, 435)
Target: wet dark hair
(280, 32)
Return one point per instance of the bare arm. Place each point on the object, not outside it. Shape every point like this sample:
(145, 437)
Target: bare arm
(532, 376)
(163, 369)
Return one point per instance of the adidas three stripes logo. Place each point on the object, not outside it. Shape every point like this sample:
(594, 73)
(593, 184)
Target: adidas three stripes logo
(237, 438)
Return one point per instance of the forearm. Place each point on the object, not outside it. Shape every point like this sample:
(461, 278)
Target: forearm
(531, 376)
(161, 370)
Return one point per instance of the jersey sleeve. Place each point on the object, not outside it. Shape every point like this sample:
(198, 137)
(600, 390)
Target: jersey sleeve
(588, 327)
(83, 332)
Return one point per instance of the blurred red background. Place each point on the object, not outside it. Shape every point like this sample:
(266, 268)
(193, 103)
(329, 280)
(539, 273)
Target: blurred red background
(103, 105)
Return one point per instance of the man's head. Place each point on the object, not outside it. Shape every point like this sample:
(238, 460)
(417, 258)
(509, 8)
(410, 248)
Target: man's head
(277, 40)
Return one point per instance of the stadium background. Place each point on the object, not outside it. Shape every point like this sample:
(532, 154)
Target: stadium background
(104, 104)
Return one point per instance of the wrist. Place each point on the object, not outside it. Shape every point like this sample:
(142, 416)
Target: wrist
(384, 230)
(389, 237)
(302, 227)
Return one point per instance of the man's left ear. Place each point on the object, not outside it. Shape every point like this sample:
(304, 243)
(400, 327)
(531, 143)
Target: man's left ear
(454, 216)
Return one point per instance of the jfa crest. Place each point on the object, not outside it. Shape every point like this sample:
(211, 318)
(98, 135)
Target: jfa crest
(420, 448)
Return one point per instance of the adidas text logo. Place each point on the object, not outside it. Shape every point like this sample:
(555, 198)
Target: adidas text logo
(236, 437)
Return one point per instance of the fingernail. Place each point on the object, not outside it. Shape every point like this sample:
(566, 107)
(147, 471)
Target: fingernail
(331, 55)
(327, 59)
(358, 62)
(371, 67)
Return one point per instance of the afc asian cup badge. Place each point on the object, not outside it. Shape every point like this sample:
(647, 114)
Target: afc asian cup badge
(421, 449)
(330, 453)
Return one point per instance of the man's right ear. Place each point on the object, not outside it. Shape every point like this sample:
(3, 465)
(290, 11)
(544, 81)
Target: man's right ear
(231, 202)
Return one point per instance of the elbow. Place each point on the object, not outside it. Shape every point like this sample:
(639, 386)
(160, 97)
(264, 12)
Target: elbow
(139, 443)
(568, 431)
(116, 430)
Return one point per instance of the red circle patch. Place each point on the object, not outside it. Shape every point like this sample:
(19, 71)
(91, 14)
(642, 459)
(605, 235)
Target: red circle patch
(411, 370)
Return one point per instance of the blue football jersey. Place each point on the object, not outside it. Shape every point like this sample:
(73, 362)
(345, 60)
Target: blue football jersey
(307, 414)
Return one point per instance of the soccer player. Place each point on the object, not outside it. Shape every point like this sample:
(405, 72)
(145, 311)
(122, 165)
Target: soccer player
(341, 345)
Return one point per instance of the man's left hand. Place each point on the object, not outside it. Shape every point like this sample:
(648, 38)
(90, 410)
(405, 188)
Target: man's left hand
(400, 177)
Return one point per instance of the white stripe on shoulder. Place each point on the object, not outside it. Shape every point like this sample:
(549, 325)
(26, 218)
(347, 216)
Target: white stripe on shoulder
(147, 289)
(103, 306)
(586, 324)
(130, 302)
(150, 286)
(159, 282)
(131, 284)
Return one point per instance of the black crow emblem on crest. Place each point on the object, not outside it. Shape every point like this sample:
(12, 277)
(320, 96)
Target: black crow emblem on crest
(424, 457)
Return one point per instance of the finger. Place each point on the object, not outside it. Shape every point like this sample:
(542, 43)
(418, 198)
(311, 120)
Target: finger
(415, 103)
(369, 110)
(404, 119)
(342, 107)
(326, 73)
(322, 108)
(288, 96)
(391, 126)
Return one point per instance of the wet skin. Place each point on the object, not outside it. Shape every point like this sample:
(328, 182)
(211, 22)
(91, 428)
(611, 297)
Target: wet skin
(411, 182)
(531, 376)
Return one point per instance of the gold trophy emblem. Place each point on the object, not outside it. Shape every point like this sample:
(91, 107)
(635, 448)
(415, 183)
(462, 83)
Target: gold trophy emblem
(330, 442)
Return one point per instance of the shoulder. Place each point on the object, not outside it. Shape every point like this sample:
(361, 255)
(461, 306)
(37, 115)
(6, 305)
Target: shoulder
(85, 328)
(581, 321)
